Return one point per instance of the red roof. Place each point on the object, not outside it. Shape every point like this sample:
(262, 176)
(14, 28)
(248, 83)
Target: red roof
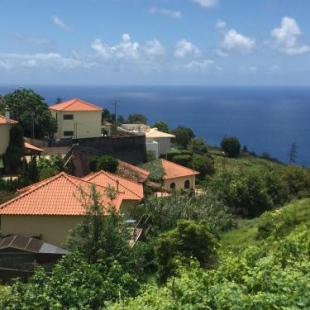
(75, 105)
(173, 170)
(128, 189)
(3, 120)
(59, 195)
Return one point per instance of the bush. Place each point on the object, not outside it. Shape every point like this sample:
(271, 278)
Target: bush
(231, 146)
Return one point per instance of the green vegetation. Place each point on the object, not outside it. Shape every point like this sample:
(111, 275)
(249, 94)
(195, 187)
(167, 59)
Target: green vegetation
(105, 162)
(231, 146)
(32, 113)
(241, 243)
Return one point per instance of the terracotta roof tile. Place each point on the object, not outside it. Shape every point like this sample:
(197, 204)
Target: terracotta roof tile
(75, 105)
(128, 189)
(59, 195)
(3, 120)
(173, 170)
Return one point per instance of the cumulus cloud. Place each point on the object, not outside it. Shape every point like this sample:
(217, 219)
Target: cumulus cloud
(166, 12)
(154, 48)
(206, 3)
(60, 23)
(148, 56)
(286, 38)
(185, 48)
(126, 49)
(236, 42)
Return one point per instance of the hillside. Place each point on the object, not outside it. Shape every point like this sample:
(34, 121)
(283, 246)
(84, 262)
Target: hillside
(280, 222)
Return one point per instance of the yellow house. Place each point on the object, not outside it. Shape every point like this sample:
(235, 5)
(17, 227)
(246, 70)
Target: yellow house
(5, 126)
(178, 177)
(77, 119)
(51, 208)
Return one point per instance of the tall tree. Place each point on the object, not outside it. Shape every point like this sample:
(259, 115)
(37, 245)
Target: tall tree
(32, 113)
(183, 135)
(137, 119)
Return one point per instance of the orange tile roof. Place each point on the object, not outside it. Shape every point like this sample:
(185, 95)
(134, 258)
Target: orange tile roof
(128, 189)
(3, 120)
(75, 105)
(32, 147)
(132, 172)
(59, 195)
(173, 170)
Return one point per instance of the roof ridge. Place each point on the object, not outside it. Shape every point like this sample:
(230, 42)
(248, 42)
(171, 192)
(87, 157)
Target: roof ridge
(111, 176)
(183, 167)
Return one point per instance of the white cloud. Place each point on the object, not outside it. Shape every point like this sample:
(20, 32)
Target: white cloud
(185, 48)
(206, 3)
(236, 42)
(39, 60)
(166, 12)
(154, 48)
(126, 49)
(200, 65)
(286, 38)
(60, 23)
(220, 24)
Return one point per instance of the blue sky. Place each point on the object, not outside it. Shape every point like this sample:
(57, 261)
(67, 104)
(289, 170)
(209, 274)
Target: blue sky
(167, 42)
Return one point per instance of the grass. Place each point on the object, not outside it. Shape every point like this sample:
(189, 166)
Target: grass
(245, 235)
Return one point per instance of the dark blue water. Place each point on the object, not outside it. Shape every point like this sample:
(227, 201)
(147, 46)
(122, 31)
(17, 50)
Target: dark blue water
(265, 119)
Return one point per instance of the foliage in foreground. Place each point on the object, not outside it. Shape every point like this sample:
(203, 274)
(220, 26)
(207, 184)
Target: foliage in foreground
(270, 276)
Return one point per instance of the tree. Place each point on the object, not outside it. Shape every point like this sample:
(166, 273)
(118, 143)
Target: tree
(105, 162)
(231, 146)
(183, 135)
(137, 119)
(15, 150)
(197, 146)
(49, 167)
(204, 165)
(32, 113)
(161, 126)
(188, 240)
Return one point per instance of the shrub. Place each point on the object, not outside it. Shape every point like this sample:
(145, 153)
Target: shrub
(231, 146)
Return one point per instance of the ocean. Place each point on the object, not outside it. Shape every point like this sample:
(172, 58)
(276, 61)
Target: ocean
(265, 119)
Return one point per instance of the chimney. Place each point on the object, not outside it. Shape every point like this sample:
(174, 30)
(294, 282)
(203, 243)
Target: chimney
(7, 114)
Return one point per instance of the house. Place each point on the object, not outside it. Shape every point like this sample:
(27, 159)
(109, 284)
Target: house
(162, 139)
(77, 119)
(5, 127)
(158, 142)
(130, 191)
(178, 177)
(51, 208)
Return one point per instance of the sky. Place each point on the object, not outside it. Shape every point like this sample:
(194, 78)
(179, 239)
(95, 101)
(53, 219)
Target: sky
(155, 42)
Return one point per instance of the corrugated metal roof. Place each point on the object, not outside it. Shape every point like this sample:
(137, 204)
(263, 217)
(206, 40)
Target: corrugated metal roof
(28, 244)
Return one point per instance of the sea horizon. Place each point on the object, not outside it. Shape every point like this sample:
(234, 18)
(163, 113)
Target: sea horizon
(265, 119)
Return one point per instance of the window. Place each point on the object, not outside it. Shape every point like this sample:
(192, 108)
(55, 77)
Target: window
(68, 133)
(186, 184)
(172, 185)
(68, 116)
